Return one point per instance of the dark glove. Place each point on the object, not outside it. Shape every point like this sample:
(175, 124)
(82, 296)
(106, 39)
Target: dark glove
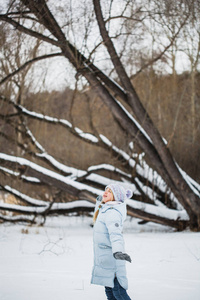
(122, 256)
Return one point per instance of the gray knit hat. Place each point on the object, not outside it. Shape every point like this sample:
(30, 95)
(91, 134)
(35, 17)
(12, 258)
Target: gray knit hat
(120, 194)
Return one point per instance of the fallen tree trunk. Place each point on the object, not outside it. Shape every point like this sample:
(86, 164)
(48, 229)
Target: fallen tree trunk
(80, 208)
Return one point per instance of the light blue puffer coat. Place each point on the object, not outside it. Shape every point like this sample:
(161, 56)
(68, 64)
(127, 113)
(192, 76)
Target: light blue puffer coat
(108, 239)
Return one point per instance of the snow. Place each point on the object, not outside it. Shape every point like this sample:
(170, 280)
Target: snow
(87, 136)
(27, 178)
(69, 170)
(38, 168)
(147, 172)
(157, 209)
(38, 115)
(65, 122)
(55, 206)
(10, 171)
(30, 179)
(161, 210)
(21, 208)
(140, 128)
(147, 190)
(193, 184)
(109, 168)
(55, 261)
(62, 167)
(28, 199)
(127, 157)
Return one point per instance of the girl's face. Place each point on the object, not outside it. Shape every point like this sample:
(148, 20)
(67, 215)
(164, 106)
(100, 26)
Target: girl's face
(108, 195)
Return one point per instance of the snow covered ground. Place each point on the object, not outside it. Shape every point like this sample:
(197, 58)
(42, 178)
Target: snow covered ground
(54, 262)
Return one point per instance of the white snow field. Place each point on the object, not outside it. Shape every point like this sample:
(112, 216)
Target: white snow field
(54, 262)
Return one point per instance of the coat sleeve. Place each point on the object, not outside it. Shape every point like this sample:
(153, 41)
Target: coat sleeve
(113, 221)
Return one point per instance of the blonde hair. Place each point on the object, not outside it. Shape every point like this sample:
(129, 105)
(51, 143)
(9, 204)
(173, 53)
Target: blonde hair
(96, 213)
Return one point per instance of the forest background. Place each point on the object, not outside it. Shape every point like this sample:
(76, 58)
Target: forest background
(159, 44)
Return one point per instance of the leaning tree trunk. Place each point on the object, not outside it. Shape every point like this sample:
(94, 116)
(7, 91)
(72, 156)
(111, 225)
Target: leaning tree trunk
(186, 196)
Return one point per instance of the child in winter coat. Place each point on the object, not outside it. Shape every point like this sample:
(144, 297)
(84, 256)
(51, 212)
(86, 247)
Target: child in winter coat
(109, 257)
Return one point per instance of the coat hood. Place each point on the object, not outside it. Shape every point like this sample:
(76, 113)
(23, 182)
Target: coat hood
(118, 206)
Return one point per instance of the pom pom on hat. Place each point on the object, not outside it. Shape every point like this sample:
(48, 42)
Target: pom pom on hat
(129, 194)
(119, 193)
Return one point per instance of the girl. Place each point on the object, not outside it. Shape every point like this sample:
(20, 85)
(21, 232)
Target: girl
(109, 258)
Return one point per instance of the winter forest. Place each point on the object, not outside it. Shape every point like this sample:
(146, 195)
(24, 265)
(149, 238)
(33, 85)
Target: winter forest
(95, 92)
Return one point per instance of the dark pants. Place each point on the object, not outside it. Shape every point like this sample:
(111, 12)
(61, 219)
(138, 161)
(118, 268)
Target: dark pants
(116, 293)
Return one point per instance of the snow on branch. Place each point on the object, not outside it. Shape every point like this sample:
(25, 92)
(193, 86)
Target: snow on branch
(79, 133)
(24, 162)
(140, 129)
(127, 157)
(109, 168)
(23, 197)
(18, 174)
(142, 169)
(55, 208)
(88, 137)
(159, 214)
(163, 212)
(191, 182)
(30, 214)
(18, 218)
(104, 181)
(55, 163)
(92, 138)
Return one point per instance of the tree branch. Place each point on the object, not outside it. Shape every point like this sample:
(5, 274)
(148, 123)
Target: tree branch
(27, 63)
(152, 61)
(28, 31)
